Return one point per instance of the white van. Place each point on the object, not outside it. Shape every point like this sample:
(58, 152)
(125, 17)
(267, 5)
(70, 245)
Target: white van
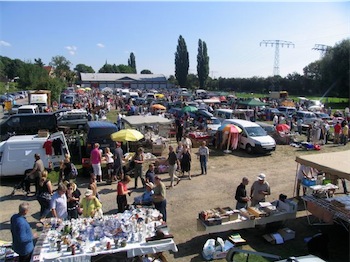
(28, 109)
(223, 113)
(253, 137)
(17, 153)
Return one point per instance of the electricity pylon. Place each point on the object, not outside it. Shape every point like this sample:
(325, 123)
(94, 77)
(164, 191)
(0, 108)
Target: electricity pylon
(277, 43)
(322, 48)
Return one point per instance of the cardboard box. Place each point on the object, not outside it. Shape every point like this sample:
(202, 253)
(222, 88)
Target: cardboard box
(157, 150)
(280, 236)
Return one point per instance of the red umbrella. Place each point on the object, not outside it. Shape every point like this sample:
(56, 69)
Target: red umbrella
(282, 128)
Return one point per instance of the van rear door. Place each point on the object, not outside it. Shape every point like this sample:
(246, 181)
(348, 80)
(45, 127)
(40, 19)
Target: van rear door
(56, 159)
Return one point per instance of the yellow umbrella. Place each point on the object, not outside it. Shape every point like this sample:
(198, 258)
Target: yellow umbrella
(127, 135)
(87, 89)
(158, 107)
(159, 96)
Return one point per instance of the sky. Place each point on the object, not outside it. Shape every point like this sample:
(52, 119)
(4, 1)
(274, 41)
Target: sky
(93, 33)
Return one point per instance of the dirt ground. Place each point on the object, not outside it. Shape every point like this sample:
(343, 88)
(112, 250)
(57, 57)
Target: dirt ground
(216, 189)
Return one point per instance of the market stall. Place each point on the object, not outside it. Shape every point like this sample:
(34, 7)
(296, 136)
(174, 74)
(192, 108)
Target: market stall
(135, 233)
(155, 128)
(324, 207)
(224, 219)
(198, 137)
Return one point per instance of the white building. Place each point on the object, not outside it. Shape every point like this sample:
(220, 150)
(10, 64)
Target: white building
(116, 80)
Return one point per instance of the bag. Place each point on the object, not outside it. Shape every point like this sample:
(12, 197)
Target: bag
(73, 172)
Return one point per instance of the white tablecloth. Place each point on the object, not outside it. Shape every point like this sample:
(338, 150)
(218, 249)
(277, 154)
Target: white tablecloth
(132, 250)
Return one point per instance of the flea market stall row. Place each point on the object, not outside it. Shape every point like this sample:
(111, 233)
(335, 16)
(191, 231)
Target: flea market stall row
(319, 197)
(133, 233)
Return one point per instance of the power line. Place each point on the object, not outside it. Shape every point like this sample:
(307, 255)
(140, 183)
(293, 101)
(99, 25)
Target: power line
(277, 43)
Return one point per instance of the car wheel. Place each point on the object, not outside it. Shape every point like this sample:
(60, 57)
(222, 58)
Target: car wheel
(249, 149)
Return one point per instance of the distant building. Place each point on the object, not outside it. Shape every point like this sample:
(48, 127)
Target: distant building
(116, 80)
(49, 70)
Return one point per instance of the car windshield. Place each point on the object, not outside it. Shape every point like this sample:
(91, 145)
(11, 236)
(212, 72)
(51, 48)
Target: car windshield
(214, 122)
(255, 131)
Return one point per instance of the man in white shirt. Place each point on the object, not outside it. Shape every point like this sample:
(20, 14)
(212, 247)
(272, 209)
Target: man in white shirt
(59, 203)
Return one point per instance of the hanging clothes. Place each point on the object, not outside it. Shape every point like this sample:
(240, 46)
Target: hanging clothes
(48, 147)
(57, 146)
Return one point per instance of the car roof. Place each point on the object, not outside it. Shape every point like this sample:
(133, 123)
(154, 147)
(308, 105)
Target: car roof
(241, 122)
(100, 124)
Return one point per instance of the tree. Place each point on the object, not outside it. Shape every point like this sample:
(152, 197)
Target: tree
(335, 69)
(81, 68)
(202, 63)
(146, 72)
(132, 62)
(125, 69)
(61, 66)
(182, 63)
(39, 62)
(107, 68)
(32, 77)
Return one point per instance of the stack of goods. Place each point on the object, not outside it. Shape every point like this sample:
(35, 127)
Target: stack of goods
(257, 212)
(245, 213)
(210, 217)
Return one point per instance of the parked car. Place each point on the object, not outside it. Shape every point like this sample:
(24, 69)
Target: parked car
(14, 109)
(28, 109)
(74, 119)
(287, 111)
(324, 117)
(307, 117)
(253, 137)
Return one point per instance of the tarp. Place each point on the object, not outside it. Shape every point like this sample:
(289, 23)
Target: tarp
(251, 102)
(335, 163)
(141, 120)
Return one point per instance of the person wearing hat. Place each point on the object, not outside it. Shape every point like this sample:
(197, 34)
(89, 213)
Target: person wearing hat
(259, 190)
(73, 198)
(146, 198)
(90, 204)
(159, 196)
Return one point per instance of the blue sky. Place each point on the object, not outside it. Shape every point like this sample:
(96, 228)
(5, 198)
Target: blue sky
(92, 33)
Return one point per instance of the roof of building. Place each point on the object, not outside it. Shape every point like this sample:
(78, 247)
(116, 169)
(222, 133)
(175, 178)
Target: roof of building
(121, 77)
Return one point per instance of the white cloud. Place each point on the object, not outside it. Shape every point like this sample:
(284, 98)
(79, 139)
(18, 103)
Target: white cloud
(71, 49)
(3, 43)
(100, 45)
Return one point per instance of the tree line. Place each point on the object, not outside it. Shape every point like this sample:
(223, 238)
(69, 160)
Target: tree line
(328, 76)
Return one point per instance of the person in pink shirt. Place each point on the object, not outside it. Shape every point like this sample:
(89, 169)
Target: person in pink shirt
(95, 160)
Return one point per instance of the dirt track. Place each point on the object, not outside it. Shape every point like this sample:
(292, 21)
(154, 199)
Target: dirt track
(216, 189)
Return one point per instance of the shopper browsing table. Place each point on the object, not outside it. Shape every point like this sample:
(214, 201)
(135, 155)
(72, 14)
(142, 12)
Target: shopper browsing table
(259, 190)
(159, 196)
(241, 194)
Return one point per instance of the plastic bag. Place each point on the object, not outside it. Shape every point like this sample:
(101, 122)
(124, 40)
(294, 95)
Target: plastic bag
(209, 249)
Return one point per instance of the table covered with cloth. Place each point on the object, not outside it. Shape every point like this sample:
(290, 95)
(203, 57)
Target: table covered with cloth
(133, 233)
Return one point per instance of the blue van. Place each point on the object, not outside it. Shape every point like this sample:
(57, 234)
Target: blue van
(100, 132)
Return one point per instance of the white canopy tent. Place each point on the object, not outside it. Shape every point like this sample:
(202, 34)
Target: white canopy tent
(142, 120)
(335, 163)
